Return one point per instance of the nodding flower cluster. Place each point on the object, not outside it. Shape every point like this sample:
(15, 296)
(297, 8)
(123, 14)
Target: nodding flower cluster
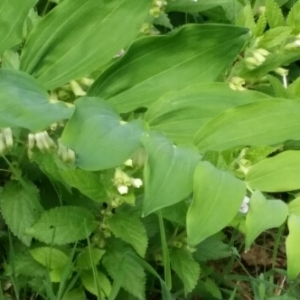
(6, 140)
(122, 181)
(245, 205)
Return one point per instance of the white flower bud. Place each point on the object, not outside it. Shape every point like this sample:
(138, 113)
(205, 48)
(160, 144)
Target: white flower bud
(31, 141)
(86, 81)
(128, 163)
(251, 61)
(39, 141)
(262, 51)
(120, 53)
(122, 189)
(232, 86)
(237, 80)
(244, 208)
(2, 143)
(259, 57)
(8, 137)
(76, 88)
(281, 71)
(71, 155)
(136, 182)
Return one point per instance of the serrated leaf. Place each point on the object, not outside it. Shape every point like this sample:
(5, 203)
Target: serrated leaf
(274, 37)
(186, 268)
(168, 172)
(53, 53)
(13, 14)
(24, 264)
(292, 247)
(212, 248)
(128, 84)
(256, 154)
(50, 257)
(91, 280)
(217, 198)
(293, 18)
(63, 225)
(163, 20)
(261, 216)
(274, 15)
(268, 174)
(241, 126)
(75, 294)
(89, 258)
(180, 114)
(18, 92)
(246, 18)
(261, 25)
(20, 208)
(99, 137)
(124, 269)
(131, 230)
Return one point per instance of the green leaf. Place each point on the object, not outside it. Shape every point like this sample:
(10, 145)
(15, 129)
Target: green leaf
(123, 268)
(212, 248)
(261, 25)
(272, 62)
(18, 92)
(175, 213)
(274, 15)
(246, 18)
(50, 257)
(186, 268)
(217, 198)
(99, 137)
(180, 114)
(293, 18)
(189, 6)
(168, 172)
(75, 38)
(268, 174)
(131, 230)
(274, 37)
(63, 225)
(241, 125)
(292, 247)
(261, 216)
(152, 68)
(75, 294)
(13, 14)
(279, 90)
(96, 282)
(89, 258)
(20, 208)
(294, 206)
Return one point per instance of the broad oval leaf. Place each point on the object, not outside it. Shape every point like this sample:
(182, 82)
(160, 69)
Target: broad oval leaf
(154, 66)
(242, 125)
(20, 208)
(181, 114)
(131, 230)
(99, 137)
(63, 225)
(13, 14)
(24, 103)
(76, 38)
(294, 206)
(276, 174)
(217, 198)
(292, 247)
(168, 173)
(263, 214)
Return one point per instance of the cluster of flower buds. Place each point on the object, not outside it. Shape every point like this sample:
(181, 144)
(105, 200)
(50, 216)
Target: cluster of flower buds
(256, 59)
(6, 139)
(67, 155)
(122, 181)
(237, 84)
(157, 8)
(42, 140)
(245, 205)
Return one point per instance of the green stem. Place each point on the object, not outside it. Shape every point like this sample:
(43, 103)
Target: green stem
(165, 252)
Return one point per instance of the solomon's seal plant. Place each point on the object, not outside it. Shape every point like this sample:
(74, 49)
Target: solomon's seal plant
(145, 145)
